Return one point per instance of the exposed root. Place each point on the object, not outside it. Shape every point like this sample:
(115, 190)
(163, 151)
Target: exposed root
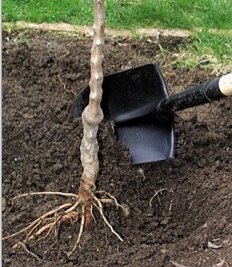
(80, 232)
(80, 210)
(36, 223)
(43, 193)
(28, 251)
(156, 194)
(97, 203)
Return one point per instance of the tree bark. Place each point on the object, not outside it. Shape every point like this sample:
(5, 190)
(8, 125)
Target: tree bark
(93, 115)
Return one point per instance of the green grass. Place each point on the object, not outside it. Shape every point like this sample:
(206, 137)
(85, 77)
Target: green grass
(131, 14)
(210, 50)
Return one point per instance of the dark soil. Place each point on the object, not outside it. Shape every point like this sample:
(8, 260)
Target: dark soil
(42, 74)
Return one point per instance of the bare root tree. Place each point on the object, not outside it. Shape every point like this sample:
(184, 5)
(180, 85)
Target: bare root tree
(93, 115)
(82, 204)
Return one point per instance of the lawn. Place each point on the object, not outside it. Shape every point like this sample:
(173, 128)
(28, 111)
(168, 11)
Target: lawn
(125, 13)
(131, 14)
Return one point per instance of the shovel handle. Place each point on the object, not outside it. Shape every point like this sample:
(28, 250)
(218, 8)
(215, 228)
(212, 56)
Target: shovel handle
(198, 95)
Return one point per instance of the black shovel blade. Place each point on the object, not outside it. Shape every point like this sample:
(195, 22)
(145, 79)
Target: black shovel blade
(130, 98)
(128, 94)
(149, 139)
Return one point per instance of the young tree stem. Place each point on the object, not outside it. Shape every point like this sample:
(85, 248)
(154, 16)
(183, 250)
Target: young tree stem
(93, 115)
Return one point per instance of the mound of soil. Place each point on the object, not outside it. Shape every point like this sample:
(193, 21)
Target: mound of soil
(189, 220)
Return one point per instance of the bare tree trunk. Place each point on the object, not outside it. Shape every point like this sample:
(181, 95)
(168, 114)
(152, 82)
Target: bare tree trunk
(93, 115)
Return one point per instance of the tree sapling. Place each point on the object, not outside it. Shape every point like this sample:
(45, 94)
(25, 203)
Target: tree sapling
(80, 208)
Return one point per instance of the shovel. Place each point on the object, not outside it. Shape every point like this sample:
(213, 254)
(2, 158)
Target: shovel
(137, 101)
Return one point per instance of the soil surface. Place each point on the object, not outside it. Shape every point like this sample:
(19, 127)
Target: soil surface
(189, 220)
